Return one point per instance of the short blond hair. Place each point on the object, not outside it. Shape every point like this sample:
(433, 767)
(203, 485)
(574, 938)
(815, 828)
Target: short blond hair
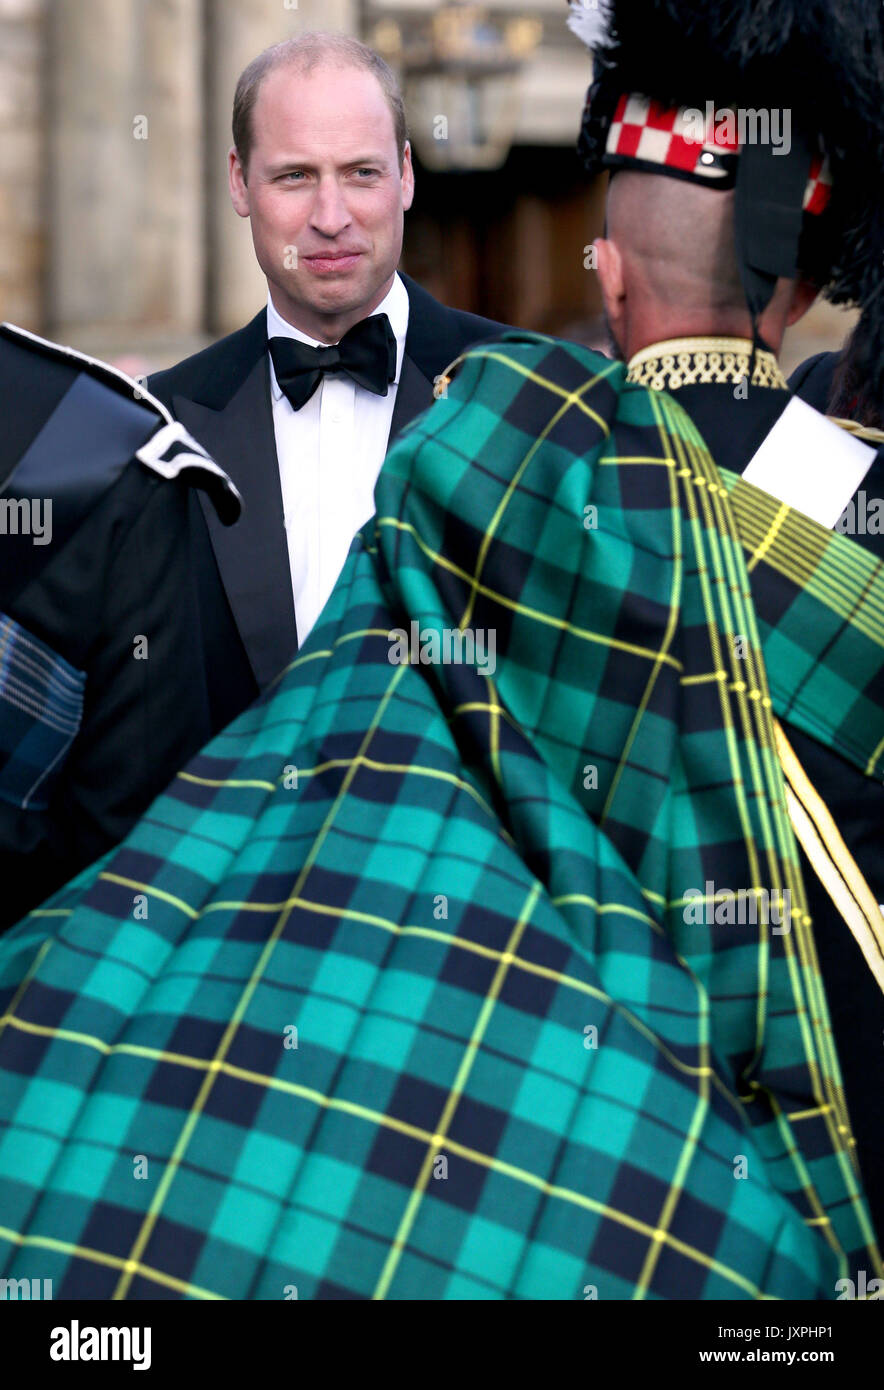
(303, 54)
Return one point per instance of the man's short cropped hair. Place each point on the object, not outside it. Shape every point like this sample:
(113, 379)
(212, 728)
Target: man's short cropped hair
(304, 53)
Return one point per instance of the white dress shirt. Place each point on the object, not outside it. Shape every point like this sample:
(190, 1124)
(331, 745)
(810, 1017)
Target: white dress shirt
(330, 453)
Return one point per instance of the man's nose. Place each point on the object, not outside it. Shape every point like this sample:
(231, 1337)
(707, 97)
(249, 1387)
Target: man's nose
(330, 213)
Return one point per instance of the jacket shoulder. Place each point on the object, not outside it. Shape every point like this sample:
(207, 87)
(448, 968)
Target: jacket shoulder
(523, 354)
(812, 380)
(35, 353)
(437, 333)
(473, 328)
(212, 375)
(81, 422)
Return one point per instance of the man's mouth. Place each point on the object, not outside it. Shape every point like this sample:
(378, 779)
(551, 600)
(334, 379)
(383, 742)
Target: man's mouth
(330, 261)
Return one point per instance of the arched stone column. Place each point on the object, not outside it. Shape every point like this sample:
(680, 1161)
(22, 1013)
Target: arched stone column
(125, 186)
(22, 155)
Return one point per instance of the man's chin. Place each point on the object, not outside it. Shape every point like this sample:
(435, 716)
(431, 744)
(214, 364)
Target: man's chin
(320, 297)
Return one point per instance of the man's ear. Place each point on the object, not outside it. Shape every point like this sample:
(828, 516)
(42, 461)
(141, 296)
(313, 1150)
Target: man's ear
(407, 177)
(805, 296)
(611, 280)
(236, 179)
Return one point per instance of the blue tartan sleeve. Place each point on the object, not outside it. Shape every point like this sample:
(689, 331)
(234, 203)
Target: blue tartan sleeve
(41, 707)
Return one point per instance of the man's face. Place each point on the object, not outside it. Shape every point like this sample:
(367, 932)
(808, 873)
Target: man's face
(325, 195)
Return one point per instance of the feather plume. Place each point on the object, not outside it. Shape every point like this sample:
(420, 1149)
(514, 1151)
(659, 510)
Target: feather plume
(589, 20)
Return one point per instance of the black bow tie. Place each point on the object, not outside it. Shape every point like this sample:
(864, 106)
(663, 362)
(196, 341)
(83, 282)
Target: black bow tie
(367, 354)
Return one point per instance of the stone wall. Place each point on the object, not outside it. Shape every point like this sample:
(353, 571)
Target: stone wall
(22, 161)
(116, 230)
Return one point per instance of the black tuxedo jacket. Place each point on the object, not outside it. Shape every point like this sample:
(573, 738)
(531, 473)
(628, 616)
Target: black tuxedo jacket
(108, 610)
(813, 380)
(222, 395)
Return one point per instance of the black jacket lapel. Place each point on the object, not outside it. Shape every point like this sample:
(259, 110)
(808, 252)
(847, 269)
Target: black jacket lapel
(413, 394)
(252, 555)
(436, 336)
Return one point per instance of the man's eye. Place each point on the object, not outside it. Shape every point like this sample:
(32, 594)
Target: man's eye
(294, 174)
(370, 172)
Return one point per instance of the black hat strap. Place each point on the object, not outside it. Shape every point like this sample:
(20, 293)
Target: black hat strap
(769, 202)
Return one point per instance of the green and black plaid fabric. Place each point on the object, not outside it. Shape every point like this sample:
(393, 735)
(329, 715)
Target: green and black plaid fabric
(821, 618)
(396, 992)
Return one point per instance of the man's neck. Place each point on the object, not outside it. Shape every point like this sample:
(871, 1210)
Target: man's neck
(326, 328)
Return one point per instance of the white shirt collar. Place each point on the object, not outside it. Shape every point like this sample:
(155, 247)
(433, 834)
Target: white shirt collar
(395, 306)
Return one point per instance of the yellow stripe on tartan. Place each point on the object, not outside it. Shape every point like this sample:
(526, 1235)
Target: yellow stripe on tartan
(784, 865)
(830, 573)
(537, 615)
(668, 636)
(489, 953)
(804, 540)
(410, 769)
(615, 460)
(353, 636)
(676, 1187)
(805, 979)
(849, 607)
(824, 1069)
(794, 1115)
(132, 1267)
(832, 861)
(689, 1147)
(761, 550)
(564, 899)
(300, 661)
(735, 621)
(409, 1216)
(705, 678)
(692, 452)
(149, 888)
(227, 782)
(508, 1170)
(873, 760)
(273, 1083)
(570, 398)
(224, 1046)
(812, 1033)
(495, 711)
(9, 1015)
(834, 582)
(99, 1257)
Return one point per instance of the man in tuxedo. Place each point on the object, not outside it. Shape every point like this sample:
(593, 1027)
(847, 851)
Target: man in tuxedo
(300, 406)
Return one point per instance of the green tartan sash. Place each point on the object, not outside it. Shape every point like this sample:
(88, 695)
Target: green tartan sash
(410, 985)
(822, 626)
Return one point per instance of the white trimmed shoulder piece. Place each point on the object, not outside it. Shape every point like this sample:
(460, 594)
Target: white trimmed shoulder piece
(810, 463)
(172, 451)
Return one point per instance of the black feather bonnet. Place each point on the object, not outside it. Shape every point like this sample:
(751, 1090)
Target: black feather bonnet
(821, 61)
